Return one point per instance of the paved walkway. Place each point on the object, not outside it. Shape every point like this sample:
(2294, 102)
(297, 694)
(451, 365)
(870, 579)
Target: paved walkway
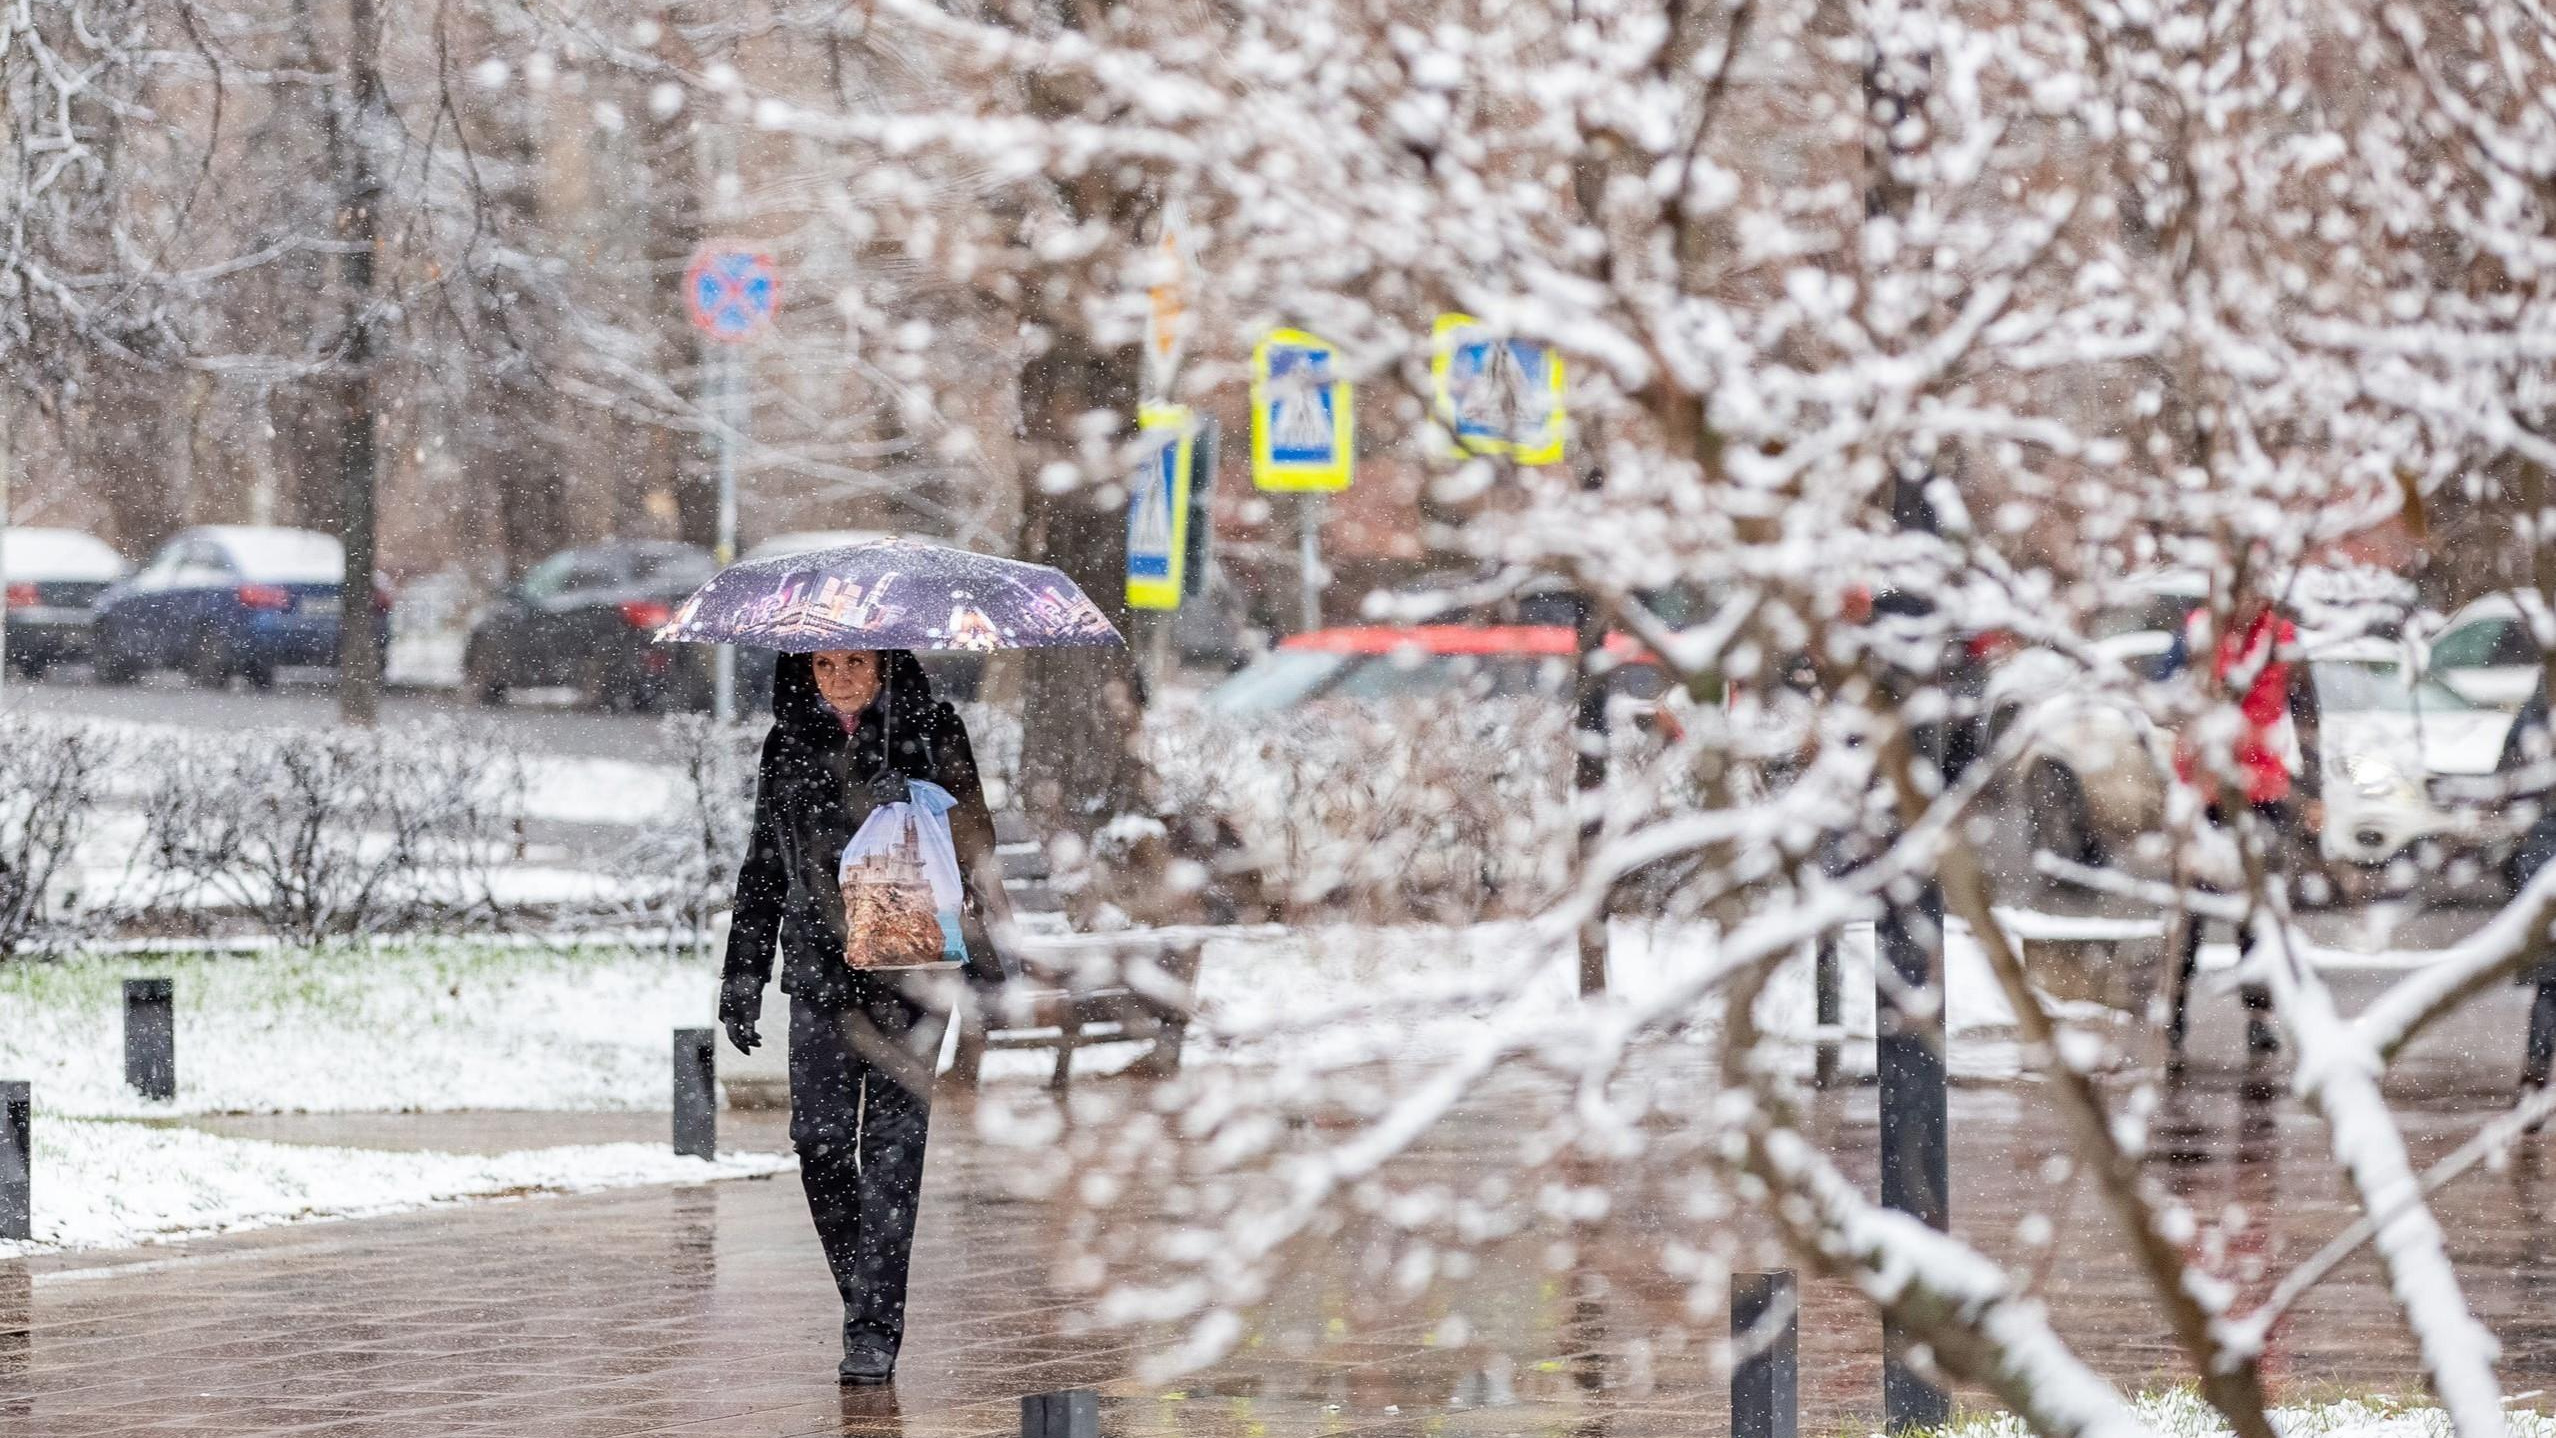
(707, 1311)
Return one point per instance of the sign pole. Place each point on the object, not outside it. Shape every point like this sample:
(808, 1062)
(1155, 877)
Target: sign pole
(732, 291)
(723, 660)
(1309, 560)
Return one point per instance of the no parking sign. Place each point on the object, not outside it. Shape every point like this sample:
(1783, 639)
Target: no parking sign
(731, 290)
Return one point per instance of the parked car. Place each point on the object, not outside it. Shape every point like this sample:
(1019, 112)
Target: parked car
(2486, 654)
(54, 577)
(955, 676)
(226, 601)
(584, 619)
(2391, 749)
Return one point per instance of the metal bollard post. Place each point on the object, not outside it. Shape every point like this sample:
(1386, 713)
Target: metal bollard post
(1908, 1054)
(696, 1094)
(17, 1160)
(1073, 1413)
(150, 1037)
(1765, 1363)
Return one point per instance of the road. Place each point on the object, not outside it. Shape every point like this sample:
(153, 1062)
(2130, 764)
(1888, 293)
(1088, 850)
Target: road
(309, 699)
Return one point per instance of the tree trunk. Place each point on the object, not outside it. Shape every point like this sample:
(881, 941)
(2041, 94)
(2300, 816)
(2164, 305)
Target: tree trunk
(359, 657)
(1080, 707)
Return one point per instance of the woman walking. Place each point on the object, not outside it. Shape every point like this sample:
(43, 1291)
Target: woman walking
(849, 729)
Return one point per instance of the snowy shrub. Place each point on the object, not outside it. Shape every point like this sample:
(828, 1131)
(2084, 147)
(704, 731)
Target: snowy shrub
(327, 833)
(691, 853)
(51, 778)
(1391, 812)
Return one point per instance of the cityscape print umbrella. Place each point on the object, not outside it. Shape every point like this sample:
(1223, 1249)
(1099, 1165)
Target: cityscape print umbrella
(890, 594)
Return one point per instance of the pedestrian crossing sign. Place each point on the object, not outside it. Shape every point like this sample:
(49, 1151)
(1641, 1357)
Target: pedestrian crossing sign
(1158, 509)
(1300, 415)
(1495, 395)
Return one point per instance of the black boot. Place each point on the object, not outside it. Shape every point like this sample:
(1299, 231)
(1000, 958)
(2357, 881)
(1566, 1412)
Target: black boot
(866, 1359)
(2262, 1040)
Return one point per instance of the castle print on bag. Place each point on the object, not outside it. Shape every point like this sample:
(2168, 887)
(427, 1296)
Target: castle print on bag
(900, 882)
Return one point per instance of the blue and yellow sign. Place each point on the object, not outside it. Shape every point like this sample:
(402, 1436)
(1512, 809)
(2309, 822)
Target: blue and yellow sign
(1496, 396)
(1158, 509)
(1301, 429)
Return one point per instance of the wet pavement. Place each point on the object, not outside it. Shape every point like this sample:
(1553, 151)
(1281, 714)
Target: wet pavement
(707, 1310)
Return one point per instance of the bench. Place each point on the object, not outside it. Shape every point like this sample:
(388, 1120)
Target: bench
(1083, 989)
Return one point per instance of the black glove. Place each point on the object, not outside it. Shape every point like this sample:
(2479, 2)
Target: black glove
(739, 1006)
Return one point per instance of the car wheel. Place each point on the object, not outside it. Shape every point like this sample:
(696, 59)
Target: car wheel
(112, 666)
(208, 662)
(604, 689)
(480, 677)
(31, 666)
(2055, 815)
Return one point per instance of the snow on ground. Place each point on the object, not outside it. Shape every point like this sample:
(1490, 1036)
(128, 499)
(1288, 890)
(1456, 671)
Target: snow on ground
(2180, 1413)
(1297, 997)
(470, 1024)
(108, 1184)
(449, 1025)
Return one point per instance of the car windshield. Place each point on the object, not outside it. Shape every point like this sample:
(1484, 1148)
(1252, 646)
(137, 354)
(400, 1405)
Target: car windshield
(2163, 613)
(2350, 686)
(1280, 679)
(284, 556)
(674, 566)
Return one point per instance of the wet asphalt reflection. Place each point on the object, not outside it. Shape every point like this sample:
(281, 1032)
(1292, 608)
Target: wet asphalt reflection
(708, 1310)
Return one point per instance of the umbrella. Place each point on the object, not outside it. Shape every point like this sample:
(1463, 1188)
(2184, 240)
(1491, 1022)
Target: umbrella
(890, 594)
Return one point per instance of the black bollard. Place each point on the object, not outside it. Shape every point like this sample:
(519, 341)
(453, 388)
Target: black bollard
(1765, 1347)
(17, 1160)
(1915, 1167)
(696, 1094)
(1827, 1008)
(150, 1037)
(1074, 1413)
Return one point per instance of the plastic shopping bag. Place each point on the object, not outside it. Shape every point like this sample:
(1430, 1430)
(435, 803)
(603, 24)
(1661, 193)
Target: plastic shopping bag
(900, 881)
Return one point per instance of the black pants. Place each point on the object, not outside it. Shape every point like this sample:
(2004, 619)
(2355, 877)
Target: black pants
(2540, 1055)
(860, 1112)
(2260, 1037)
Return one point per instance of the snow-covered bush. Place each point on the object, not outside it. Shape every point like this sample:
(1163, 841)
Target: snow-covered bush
(1390, 812)
(52, 776)
(687, 858)
(317, 834)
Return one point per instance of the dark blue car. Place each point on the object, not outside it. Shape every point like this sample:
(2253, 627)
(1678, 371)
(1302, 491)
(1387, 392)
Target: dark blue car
(224, 601)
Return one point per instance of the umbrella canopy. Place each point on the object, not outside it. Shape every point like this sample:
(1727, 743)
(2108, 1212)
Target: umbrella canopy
(890, 594)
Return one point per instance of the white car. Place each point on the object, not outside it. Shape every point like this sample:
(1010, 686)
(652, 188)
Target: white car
(2385, 742)
(2486, 653)
(2092, 770)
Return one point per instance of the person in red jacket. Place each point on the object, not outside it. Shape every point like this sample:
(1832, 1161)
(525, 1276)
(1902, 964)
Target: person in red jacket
(2271, 761)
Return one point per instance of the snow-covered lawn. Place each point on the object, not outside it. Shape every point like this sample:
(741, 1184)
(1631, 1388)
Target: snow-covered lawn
(2181, 1414)
(443, 1025)
(449, 1025)
(113, 1184)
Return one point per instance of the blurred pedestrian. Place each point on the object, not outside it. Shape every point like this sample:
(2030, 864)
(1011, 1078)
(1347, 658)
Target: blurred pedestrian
(849, 729)
(2271, 761)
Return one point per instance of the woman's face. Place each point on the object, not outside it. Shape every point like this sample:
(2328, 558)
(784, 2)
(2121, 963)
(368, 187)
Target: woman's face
(848, 678)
